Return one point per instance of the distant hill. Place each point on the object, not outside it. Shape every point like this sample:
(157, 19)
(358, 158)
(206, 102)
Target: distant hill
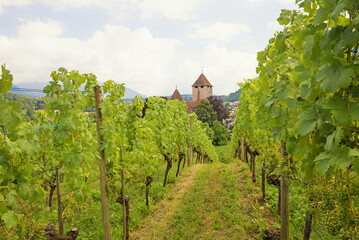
(130, 94)
(34, 89)
(232, 97)
(187, 97)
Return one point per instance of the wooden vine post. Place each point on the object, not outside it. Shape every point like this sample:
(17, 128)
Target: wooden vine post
(123, 198)
(127, 203)
(264, 181)
(308, 226)
(242, 147)
(284, 190)
(59, 204)
(190, 154)
(102, 167)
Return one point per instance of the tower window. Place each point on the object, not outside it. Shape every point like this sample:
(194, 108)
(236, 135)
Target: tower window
(202, 86)
(195, 86)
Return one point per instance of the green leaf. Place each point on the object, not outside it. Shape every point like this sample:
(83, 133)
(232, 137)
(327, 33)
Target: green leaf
(279, 43)
(292, 145)
(11, 219)
(350, 38)
(11, 199)
(302, 73)
(305, 91)
(333, 78)
(341, 117)
(24, 192)
(338, 9)
(344, 162)
(353, 152)
(306, 123)
(334, 139)
(306, 126)
(337, 102)
(354, 111)
(322, 162)
(338, 48)
(355, 21)
(6, 80)
(321, 15)
(284, 17)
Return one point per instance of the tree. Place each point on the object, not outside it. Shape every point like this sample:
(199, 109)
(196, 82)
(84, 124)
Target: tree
(205, 113)
(219, 108)
(221, 134)
(209, 130)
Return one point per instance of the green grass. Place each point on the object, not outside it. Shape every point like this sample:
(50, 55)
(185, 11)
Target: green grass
(218, 206)
(224, 153)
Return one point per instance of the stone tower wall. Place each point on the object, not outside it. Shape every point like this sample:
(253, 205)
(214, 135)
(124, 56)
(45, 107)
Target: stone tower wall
(204, 92)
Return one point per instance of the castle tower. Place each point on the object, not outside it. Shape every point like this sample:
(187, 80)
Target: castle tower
(201, 89)
(177, 95)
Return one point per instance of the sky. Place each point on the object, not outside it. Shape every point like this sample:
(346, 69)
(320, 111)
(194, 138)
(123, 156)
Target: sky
(150, 45)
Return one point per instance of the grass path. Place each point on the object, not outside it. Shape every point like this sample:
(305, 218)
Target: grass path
(215, 201)
(157, 222)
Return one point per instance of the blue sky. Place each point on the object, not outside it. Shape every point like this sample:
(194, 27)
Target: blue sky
(150, 45)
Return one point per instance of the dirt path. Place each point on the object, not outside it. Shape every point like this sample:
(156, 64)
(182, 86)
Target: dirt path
(158, 221)
(215, 201)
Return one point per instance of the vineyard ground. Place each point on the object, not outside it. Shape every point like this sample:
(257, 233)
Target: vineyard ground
(214, 201)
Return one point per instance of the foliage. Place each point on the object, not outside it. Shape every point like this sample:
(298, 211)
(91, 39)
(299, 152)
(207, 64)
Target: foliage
(221, 134)
(219, 108)
(205, 112)
(209, 130)
(306, 95)
(64, 135)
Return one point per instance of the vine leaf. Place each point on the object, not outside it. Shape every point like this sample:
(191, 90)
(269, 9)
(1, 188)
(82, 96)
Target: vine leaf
(306, 123)
(353, 152)
(333, 139)
(323, 162)
(338, 9)
(333, 78)
(321, 15)
(6, 80)
(11, 219)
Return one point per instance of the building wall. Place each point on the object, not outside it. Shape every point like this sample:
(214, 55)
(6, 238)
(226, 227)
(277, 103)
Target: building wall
(204, 92)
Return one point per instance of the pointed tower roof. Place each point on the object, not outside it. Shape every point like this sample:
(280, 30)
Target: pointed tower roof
(202, 81)
(177, 95)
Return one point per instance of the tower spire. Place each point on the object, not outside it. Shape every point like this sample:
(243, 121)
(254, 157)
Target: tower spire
(202, 69)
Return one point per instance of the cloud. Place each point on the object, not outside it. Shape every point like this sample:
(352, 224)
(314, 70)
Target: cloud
(5, 3)
(286, 1)
(223, 68)
(171, 9)
(251, 2)
(224, 32)
(152, 66)
(227, 68)
(146, 9)
(132, 57)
